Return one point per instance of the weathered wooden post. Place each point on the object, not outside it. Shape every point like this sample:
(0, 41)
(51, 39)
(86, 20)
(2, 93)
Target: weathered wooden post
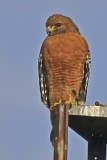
(59, 134)
(90, 122)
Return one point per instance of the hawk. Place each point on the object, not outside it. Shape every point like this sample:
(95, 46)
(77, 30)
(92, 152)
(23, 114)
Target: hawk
(64, 63)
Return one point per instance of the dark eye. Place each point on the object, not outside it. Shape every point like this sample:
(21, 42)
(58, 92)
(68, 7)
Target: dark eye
(58, 24)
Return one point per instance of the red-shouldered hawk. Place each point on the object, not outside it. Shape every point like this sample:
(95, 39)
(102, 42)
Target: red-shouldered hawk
(64, 63)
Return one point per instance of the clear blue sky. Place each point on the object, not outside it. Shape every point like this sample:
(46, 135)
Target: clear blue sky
(24, 120)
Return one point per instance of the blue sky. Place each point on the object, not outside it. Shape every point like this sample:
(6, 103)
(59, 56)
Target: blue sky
(24, 120)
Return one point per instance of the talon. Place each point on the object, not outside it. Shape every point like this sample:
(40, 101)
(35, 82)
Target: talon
(55, 104)
(71, 101)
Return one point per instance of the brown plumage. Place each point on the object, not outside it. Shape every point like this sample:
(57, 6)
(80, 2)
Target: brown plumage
(64, 63)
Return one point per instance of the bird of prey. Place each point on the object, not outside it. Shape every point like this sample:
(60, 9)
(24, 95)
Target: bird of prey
(64, 63)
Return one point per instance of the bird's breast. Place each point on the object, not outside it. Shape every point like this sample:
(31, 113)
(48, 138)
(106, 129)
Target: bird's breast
(64, 57)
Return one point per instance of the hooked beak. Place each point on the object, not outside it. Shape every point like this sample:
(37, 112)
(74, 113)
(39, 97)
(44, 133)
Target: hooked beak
(50, 30)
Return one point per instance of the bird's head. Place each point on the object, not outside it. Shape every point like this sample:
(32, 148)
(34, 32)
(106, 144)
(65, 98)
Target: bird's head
(58, 24)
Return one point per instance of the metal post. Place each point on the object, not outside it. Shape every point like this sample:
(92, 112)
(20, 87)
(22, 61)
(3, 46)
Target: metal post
(59, 134)
(97, 148)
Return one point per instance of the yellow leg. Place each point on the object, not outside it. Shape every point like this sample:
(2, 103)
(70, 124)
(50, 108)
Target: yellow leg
(70, 101)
